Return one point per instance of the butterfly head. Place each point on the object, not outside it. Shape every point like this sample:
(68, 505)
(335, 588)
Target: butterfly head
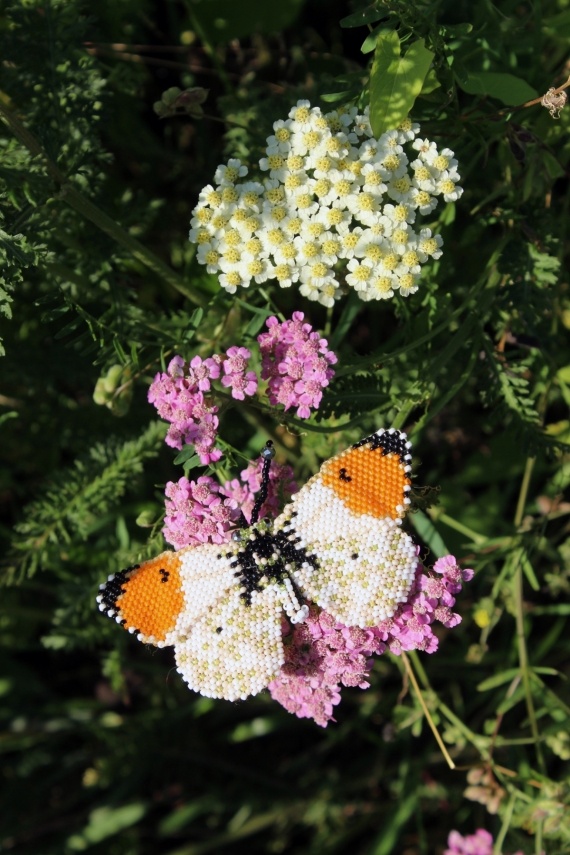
(146, 599)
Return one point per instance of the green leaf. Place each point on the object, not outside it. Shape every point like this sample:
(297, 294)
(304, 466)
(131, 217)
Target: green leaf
(529, 572)
(396, 81)
(106, 821)
(498, 679)
(428, 532)
(369, 43)
(187, 452)
(368, 15)
(507, 88)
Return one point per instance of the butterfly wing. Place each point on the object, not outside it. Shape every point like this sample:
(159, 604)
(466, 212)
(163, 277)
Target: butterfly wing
(235, 648)
(354, 559)
(227, 645)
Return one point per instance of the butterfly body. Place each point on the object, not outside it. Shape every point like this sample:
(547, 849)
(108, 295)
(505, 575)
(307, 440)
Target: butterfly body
(338, 543)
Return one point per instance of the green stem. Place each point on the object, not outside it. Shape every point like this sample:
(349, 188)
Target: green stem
(429, 719)
(498, 847)
(462, 529)
(477, 741)
(519, 609)
(401, 418)
(83, 206)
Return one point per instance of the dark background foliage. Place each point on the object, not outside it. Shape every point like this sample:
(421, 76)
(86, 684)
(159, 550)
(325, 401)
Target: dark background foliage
(103, 749)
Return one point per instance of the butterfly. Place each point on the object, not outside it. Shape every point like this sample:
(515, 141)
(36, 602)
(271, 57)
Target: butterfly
(338, 544)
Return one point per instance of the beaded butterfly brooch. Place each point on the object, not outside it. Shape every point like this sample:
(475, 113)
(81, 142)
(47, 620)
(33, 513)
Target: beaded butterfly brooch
(338, 544)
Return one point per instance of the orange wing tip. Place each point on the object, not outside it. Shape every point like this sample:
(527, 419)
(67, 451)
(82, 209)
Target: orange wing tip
(145, 599)
(372, 476)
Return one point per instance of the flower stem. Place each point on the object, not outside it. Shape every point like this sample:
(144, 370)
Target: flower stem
(423, 705)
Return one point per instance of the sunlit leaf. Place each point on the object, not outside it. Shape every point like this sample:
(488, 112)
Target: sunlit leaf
(396, 81)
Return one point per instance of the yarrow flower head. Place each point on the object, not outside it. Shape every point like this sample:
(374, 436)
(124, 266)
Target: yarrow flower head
(480, 843)
(337, 208)
(297, 364)
(294, 359)
(178, 395)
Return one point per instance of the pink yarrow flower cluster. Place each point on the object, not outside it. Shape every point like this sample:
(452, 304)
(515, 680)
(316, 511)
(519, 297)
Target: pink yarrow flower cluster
(202, 511)
(297, 364)
(323, 655)
(294, 359)
(197, 512)
(480, 843)
(179, 397)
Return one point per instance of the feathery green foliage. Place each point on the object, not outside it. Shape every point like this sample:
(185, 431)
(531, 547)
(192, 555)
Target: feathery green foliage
(104, 749)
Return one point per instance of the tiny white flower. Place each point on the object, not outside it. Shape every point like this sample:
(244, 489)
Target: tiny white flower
(365, 207)
(318, 273)
(280, 140)
(328, 294)
(286, 254)
(380, 288)
(210, 196)
(407, 131)
(426, 148)
(274, 192)
(349, 241)
(251, 195)
(399, 213)
(308, 250)
(400, 189)
(448, 188)
(229, 174)
(393, 165)
(409, 263)
(408, 284)
(207, 254)
(309, 290)
(232, 280)
(422, 200)
(286, 274)
(336, 217)
(330, 247)
(275, 164)
(305, 142)
(423, 176)
(403, 238)
(360, 276)
(429, 245)
(362, 124)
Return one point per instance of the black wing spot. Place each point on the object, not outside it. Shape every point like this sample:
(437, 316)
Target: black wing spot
(354, 556)
(219, 629)
(165, 575)
(343, 476)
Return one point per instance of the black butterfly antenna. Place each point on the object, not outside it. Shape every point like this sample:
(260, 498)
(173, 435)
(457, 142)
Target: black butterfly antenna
(267, 453)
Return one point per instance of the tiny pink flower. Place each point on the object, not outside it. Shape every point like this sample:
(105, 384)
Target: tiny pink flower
(480, 843)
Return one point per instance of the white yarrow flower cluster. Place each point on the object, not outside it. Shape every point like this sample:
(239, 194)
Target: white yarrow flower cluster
(337, 207)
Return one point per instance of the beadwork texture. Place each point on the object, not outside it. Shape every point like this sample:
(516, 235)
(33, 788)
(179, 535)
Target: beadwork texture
(338, 544)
